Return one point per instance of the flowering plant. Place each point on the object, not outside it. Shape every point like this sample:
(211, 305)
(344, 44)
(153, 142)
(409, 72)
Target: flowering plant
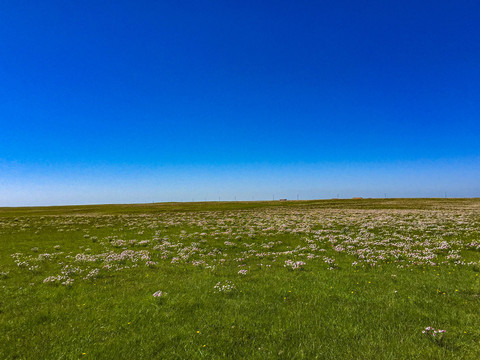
(433, 334)
(225, 287)
(294, 265)
(159, 294)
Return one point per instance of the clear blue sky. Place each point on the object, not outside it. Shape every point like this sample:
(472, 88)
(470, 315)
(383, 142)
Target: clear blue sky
(140, 101)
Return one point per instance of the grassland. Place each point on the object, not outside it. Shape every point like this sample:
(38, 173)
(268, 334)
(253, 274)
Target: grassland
(338, 279)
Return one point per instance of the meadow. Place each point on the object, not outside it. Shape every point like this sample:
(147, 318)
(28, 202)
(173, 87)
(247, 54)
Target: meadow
(333, 279)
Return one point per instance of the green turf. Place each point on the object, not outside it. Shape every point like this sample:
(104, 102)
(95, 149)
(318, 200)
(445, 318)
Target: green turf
(333, 279)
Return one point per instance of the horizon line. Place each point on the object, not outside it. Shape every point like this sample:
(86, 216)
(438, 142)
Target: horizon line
(241, 201)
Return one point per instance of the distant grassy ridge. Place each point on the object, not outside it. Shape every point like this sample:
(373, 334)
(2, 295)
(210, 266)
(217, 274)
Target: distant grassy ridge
(401, 203)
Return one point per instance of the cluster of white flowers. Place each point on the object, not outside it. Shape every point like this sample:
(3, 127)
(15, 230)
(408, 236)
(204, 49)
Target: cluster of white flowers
(225, 287)
(33, 268)
(435, 334)
(294, 265)
(92, 274)
(332, 263)
(67, 281)
(52, 279)
(159, 294)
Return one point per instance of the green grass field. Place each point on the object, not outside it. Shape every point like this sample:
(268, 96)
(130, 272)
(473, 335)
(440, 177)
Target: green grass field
(337, 279)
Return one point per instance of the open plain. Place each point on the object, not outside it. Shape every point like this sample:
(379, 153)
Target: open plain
(330, 279)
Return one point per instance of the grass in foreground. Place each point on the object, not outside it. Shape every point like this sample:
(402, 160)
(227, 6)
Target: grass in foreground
(306, 280)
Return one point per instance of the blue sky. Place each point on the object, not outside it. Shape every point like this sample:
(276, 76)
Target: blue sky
(123, 101)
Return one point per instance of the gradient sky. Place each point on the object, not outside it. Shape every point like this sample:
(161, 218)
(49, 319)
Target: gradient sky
(141, 101)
